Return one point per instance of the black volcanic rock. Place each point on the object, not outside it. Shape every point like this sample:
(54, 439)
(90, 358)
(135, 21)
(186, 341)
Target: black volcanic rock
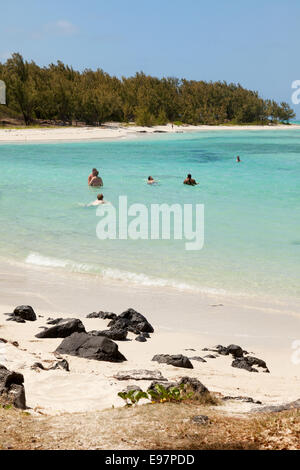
(141, 339)
(177, 360)
(247, 363)
(22, 314)
(84, 345)
(197, 358)
(103, 315)
(11, 388)
(63, 329)
(116, 334)
(235, 350)
(133, 321)
(242, 363)
(194, 384)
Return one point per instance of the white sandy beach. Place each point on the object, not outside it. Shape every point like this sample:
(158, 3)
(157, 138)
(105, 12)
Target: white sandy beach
(182, 321)
(111, 131)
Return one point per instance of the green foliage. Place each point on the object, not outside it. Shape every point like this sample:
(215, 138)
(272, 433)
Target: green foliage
(162, 118)
(7, 407)
(143, 117)
(160, 394)
(59, 93)
(132, 397)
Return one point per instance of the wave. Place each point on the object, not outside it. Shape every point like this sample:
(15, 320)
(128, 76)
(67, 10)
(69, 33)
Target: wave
(140, 279)
(39, 260)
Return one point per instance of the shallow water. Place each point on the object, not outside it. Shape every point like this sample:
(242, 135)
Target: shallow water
(252, 236)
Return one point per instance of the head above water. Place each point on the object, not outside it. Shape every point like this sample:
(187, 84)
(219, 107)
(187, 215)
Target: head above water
(100, 197)
(150, 178)
(95, 172)
(189, 176)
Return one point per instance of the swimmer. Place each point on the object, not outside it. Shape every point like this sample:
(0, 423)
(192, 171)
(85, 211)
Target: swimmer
(190, 181)
(238, 159)
(151, 180)
(98, 201)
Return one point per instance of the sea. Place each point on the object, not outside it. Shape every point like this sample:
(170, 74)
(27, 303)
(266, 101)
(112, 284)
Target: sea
(251, 209)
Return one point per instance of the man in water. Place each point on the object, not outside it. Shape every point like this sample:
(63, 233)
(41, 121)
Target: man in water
(190, 181)
(96, 180)
(238, 159)
(98, 201)
(91, 175)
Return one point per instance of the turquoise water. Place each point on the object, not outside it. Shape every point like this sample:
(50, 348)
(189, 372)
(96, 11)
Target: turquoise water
(252, 236)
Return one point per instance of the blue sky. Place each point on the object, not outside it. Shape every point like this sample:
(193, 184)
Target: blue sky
(254, 43)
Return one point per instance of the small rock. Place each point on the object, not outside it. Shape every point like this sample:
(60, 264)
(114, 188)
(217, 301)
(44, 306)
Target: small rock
(115, 334)
(194, 384)
(243, 399)
(200, 419)
(166, 385)
(25, 312)
(38, 365)
(133, 321)
(130, 388)
(63, 329)
(241, 363)
(141, 339)
(197, 358)
(12, 388)
(140, 375)
(103, 315)
(235, 350)
(61, 365)
(177, 360)
(54, 321)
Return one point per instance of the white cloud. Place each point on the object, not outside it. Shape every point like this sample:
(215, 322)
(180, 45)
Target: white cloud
(62, 28)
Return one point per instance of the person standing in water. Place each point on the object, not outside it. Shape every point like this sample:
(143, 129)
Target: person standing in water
(91, 175)
(95, 180)
(190, 181)
(238, 159)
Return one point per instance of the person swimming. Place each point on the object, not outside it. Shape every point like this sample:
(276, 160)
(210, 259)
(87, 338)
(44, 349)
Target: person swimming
(96, 180)
(98, 201)
(151, 180)
(190, 181)
(238, 159)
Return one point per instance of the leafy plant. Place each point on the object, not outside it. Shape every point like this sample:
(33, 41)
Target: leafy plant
(173, 394)
(132, 397)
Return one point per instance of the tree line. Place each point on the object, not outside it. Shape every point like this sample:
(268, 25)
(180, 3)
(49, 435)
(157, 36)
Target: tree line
(60, 93)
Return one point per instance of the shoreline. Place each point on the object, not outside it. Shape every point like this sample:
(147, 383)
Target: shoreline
(181, 321)
(116, 132)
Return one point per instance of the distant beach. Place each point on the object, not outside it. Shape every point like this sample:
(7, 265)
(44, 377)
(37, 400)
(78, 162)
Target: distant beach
(113, 131)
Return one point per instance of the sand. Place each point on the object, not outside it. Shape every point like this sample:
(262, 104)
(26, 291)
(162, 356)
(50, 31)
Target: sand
(112, 131)
(182, 320)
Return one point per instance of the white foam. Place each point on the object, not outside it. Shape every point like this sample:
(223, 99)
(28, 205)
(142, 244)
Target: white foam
(40, 260)
(119, 275)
